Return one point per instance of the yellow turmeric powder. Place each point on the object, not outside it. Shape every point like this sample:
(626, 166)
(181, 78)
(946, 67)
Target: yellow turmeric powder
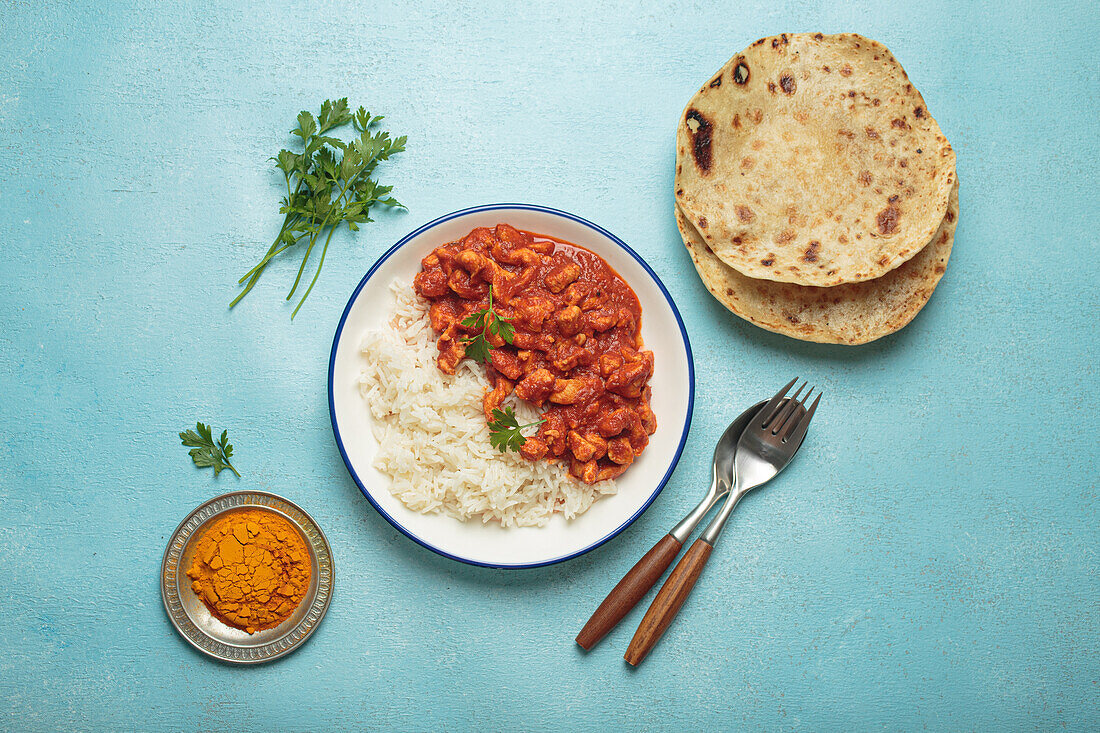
(251, 568)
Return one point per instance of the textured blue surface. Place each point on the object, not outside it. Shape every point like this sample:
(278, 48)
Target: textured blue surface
(930, 560)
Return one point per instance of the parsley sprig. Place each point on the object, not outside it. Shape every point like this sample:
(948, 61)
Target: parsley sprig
(488, 322)
(205, 452)
(504, 430)
(327, 184)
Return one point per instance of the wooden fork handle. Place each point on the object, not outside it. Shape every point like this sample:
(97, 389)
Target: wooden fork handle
(634, 585)
(668, 601)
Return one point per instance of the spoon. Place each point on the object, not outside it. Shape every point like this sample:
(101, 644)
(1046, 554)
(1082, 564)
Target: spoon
(645, 574)
(764, 449)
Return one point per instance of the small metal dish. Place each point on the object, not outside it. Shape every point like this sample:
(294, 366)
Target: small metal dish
(206, 633)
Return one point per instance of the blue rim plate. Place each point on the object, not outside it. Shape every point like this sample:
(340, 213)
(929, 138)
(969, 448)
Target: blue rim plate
(490, 545)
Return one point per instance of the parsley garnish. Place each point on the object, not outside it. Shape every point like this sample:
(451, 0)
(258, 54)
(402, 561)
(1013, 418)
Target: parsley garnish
(504, 430)
(327, 184)
(486, 321)
(206, 452)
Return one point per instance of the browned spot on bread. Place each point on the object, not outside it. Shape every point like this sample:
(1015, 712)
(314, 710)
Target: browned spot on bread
(748, 162)
(679, 192)
(865, 178)
(950, 217)
(736, 239)
(787, 83)
(892, 199)
(818, 36)
(871, 133)
(898, 123)
(745, 214)
(846, 70)
(903, 163)
(758, 115)
(741, 73)
(784, 236)
(716, 82)
(939, 269)
(851, 93)
(846, 133)
(708, 248)
(737, 121)
(843, 239)
(701, 137)
(702, 222)
(887, 219)
(811, 252)
(767, 262)
(883, 260)
(791, 317)
(771, 87)
(757, 144)
(826, 69)
(918, 112)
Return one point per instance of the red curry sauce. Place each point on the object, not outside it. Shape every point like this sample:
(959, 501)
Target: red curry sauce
(576, 352)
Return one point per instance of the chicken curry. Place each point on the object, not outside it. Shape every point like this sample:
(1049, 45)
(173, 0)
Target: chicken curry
(575, 351)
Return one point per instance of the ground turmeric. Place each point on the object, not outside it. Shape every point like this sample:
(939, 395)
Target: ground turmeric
(251, 568)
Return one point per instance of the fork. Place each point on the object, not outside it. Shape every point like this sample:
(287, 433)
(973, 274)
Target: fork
(766, 447)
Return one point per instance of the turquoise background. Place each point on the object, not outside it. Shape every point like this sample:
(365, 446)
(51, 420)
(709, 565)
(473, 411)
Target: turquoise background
(930, 560)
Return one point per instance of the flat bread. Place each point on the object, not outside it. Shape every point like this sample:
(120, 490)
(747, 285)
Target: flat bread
(852, 314)
(812, 159)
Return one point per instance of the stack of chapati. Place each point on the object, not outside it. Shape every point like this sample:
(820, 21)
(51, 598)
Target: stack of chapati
(814, 191)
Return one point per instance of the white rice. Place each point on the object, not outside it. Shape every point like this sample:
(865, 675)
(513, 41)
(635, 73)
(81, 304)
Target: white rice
(434, 443)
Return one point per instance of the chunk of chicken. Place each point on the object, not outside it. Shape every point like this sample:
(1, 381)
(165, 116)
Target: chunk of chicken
(599, 320)
(629, 379)
(451, 351)
(569, 320)
(536, 386)
(533, 449)
(609, 363)
(616, 421)
(443, 315)
(587, 447)
(430, 283)
(506, 362)
(566, 391)
(610, 471)
(553, 432)
(620, 451)
(460, 282)
(494, 397)
(561, 276)
(586, 471)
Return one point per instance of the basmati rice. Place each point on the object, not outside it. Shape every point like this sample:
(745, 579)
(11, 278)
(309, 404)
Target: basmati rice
(433, 439)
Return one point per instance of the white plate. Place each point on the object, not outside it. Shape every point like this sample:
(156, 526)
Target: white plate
(490, 545)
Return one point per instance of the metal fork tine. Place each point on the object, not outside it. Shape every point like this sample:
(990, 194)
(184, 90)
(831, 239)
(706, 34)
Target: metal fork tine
(769, 410)
(798, 431)
(788, 410)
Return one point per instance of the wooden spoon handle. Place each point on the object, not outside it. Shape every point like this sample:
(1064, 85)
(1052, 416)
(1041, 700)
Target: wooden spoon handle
(668, 602)
(624, 596)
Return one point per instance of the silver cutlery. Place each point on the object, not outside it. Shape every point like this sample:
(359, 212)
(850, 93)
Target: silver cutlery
(647, 571)
(766, 446)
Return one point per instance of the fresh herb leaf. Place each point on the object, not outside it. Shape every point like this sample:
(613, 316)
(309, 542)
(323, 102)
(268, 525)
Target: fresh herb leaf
(504, 430)
(328, 184)
(489, 323)
(205, 452)
(478, 348)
